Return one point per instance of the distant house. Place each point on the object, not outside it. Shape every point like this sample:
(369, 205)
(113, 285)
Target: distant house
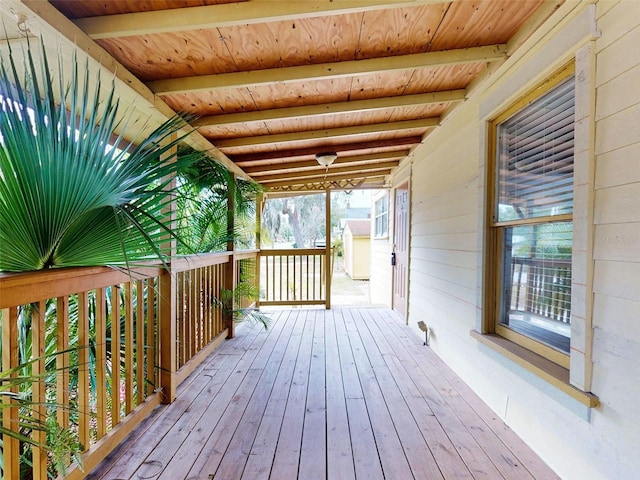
(357, 248)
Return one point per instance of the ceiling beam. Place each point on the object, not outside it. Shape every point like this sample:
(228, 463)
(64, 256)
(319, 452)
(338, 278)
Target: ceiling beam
(252, 159)
(360, 170)
(225, 15)
(328, 133)
(323, 71)
(59, 31)
(330, 175)
(285, 166)
(306, 182)
(328, 109)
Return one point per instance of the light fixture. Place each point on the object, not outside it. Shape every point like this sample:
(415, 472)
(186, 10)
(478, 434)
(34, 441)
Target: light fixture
(326, 158)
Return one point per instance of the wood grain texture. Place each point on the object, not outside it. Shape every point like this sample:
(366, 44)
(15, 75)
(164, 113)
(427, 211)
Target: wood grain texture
(343, 393)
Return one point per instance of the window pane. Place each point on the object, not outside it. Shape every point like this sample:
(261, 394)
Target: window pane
(535, 157)
(536, 290)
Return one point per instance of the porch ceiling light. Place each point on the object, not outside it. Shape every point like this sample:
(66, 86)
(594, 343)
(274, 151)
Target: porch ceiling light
(326, 158)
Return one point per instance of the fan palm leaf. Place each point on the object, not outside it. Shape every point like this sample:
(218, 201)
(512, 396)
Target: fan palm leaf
(71, 195)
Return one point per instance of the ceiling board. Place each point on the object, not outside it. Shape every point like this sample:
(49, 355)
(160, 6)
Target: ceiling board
(274, 82)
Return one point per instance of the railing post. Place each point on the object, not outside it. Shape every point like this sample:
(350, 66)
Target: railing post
(167, 307)
(10, 360)
(230, 267)
(167, 330)
(327, 255)
(259, 206)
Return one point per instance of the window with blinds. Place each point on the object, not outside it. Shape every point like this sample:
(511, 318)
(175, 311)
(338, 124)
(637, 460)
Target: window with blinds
(532, 228)
(535, 158)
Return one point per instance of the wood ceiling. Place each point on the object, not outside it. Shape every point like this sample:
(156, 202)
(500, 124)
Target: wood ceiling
(272, 83)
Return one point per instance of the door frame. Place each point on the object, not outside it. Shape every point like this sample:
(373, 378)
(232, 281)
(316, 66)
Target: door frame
(404, 185)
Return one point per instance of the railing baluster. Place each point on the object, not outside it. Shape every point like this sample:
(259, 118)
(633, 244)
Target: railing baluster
(152, 382)
(10, 360)
(101, 363)
(84, 385)
(38, 330)
(139, 343)
(62, 361)
(116, 405)
(128, 348)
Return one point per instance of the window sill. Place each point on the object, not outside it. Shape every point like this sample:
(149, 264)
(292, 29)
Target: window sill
(538, 365)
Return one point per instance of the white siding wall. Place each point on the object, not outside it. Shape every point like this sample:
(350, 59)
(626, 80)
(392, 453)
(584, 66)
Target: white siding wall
(446, 241)
(381, 248)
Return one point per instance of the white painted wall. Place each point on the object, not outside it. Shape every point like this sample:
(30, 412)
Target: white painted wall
(446, 245)
(381, 248)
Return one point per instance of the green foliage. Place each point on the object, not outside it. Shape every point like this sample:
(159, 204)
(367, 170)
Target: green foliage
(66, 197)
(205, 188)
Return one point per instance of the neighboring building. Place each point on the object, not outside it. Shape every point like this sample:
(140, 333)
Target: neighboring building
(357, 248)
(535, 181)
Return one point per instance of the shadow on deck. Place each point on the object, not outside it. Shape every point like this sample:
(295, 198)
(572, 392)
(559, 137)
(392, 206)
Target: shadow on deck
(339, 394)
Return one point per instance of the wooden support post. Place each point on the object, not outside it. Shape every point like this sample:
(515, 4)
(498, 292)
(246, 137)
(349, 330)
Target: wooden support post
(167, 321)
(259, 206)
(230, 267)
(10, 360)
(39, 395)
(328, 271)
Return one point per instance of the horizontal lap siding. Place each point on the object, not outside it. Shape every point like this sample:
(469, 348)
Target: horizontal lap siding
(444, 239)
(445, 277)
(616, 307)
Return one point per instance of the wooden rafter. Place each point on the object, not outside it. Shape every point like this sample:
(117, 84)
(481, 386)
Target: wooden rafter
(305, 164)
(357, 170)
(375, 128)
(346, 181)
(325, 109)
(327, 71)
(229, 14)
(252, 159)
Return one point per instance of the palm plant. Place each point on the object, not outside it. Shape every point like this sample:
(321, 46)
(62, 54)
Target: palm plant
(73, 192)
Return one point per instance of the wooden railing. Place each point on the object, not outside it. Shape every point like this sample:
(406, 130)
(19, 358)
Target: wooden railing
(294, 276)
(542, 287)
(106, 348)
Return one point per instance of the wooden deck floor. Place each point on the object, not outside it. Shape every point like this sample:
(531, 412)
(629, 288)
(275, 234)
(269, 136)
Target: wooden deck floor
(341, 394)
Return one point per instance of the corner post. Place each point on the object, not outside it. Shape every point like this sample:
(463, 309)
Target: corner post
(327, 245)
(230, 267)
(167, 306)
(259, 206)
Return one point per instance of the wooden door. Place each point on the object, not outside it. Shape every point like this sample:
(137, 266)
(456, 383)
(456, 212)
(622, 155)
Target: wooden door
(401, 249)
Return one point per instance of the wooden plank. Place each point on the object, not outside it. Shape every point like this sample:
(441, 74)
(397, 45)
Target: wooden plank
(329, 71)
(366, 456)
(258, 466)
(330, 109)
(404, 370)
(158, 433)
(211, 431)
(232, 464)
(115, 355)
(140, 343)
(152, 345)
(215, 16)
(394, 465)
(101, 363)
(339, 450)
(129, 404)
(84, 384)
(313, 450)
(495, 451)
(39, 394)
(287, 455)
(10, 360)
(332, 133)
(418, 455)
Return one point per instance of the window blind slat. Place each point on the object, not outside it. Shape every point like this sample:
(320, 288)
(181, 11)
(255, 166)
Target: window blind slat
(535, 156)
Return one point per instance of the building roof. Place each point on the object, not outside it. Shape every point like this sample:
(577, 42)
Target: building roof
(359, 228)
